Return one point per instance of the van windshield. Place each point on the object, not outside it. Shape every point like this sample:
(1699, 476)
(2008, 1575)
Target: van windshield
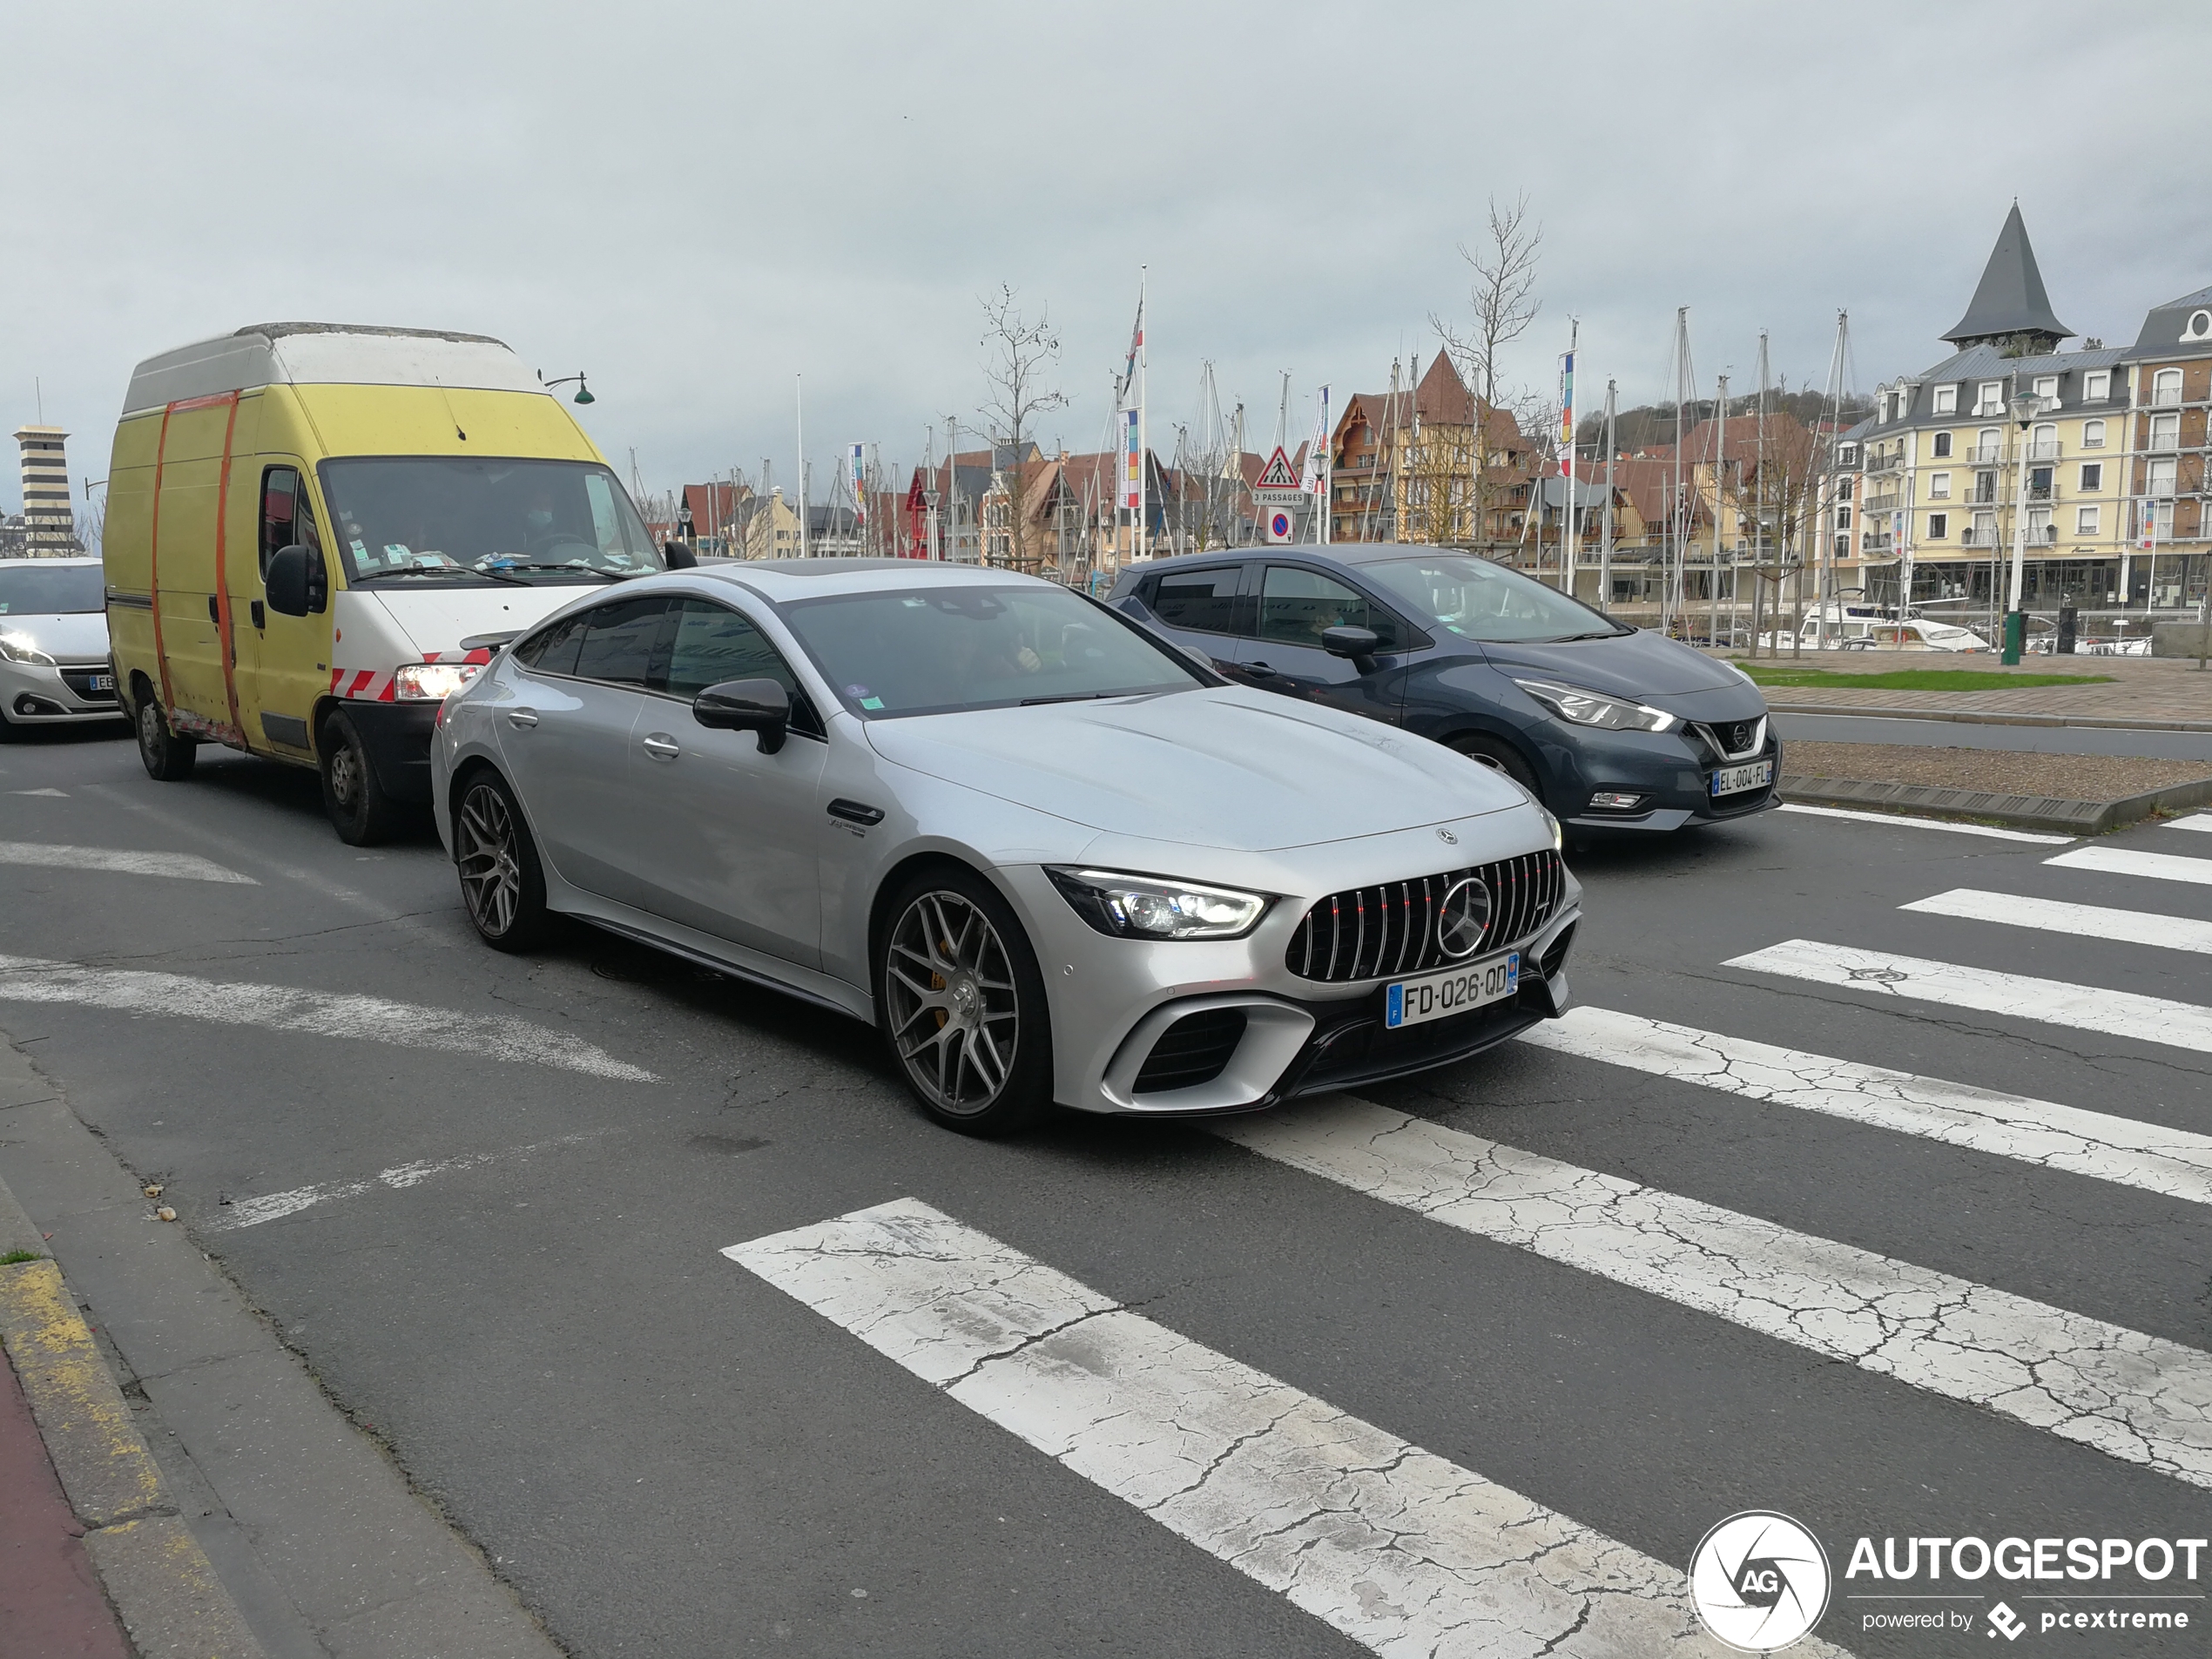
(456, 517)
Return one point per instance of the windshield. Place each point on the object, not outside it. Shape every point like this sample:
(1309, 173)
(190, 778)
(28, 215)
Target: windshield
(929, 650)
(51, 589)
(432, 517)
(1476, 599)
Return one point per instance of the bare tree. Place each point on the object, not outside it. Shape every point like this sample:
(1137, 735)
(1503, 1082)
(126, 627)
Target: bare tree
(1503, 300)
(1021, 354)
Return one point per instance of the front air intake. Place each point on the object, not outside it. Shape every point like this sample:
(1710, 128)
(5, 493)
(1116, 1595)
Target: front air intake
(1191, 1051)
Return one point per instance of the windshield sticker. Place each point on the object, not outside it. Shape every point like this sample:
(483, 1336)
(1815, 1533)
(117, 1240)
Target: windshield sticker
(913, 605)
(360, 548)
(871, 702)
(856, 691)
(396, 553)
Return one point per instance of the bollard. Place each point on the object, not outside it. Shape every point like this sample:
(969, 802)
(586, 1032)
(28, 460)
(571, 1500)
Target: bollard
(2069, 629)
(2015, 635)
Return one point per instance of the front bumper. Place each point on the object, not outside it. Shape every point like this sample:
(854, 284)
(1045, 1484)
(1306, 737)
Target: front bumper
(35, 694)
(397, 737)
(1670, 773)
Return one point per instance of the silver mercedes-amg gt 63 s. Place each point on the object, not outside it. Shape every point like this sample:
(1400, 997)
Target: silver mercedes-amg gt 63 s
(1049, 856)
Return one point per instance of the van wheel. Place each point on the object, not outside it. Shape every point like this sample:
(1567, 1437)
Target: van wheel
(1499, 756)
(168, 757)
(359, 810)
(501, 882)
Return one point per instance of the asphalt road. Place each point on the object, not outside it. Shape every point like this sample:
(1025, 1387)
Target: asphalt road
(1969, 734)
(506, 1252)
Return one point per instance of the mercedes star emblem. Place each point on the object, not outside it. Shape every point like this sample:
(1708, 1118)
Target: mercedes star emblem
(1463, 918)
(1447, 838)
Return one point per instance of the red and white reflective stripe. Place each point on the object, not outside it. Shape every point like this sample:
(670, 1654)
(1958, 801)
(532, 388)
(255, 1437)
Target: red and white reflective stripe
(362, 683)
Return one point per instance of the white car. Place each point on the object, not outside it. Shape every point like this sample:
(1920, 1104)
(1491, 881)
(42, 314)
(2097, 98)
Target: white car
(54, 666)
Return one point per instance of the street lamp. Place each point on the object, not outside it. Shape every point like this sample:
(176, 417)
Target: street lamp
(2024, 407)
(583, 392)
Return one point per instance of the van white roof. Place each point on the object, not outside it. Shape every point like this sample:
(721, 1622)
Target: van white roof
(277, 353)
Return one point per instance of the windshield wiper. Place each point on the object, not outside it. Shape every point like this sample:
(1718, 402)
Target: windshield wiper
(437, 569)
(1073, 696)
(1607, 633)
(577, 569)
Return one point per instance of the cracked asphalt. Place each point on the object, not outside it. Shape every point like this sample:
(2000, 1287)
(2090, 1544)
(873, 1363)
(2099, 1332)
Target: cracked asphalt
(664, 1453)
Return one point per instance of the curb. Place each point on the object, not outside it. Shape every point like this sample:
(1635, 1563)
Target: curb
(2016, 811)
(1983, 717)
(159, 1580)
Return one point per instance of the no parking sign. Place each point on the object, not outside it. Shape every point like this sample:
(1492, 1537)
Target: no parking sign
(1279, 523)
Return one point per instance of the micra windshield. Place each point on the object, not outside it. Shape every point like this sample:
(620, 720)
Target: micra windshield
(930, 650)
(1476, 599)
(420, 519)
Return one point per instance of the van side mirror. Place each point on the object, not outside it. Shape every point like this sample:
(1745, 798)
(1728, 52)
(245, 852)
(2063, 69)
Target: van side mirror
(1357, 644)
(746, 706)
(295, 581)
(679, 557)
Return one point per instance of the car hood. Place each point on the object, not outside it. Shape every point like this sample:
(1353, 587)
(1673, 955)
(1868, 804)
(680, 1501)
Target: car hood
(434, 619)
(74, 636)
(1223, 767)
(1642, 664)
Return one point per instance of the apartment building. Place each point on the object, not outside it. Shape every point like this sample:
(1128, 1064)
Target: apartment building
(2169, 375)
(1431, 465)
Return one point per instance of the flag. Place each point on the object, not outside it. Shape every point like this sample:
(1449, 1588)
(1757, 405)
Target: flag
(1316, 481)
(1135, 346)
(857, 477)
(1133, 466)
(1567, 414)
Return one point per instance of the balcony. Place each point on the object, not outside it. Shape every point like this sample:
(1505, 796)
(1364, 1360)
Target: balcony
(2163, 442)
(2166, 397)
(2047, 450)
(1871, 542)
(1972, 537)
(1982, 455)
(2042, 492)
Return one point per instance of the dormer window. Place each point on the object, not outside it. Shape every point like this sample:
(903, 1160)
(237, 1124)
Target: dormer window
(1848, 455)
(1946, 399)
(1989, 398)
(2046, 388)
(2096, 385)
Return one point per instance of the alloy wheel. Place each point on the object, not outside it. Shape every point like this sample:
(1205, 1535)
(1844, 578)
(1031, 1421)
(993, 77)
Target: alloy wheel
(491, 876)
(955, 1021)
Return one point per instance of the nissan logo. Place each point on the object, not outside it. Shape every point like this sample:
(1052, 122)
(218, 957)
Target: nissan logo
(1463, 918)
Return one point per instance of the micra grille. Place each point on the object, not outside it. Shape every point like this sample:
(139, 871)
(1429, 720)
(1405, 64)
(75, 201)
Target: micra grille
(1369, 932)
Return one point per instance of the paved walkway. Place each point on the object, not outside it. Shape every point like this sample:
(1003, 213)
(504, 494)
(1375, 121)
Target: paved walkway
(2154, 690)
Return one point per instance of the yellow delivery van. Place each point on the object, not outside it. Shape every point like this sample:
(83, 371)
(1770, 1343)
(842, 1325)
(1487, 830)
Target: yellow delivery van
(316, 531)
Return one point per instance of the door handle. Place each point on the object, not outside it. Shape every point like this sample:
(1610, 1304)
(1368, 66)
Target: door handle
(660, 746)
(260, 617)
(213, 614)
(522, 718)
(1259, 668)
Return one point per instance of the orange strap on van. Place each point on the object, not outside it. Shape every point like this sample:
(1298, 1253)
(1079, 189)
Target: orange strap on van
(153, 563)
(226, 640)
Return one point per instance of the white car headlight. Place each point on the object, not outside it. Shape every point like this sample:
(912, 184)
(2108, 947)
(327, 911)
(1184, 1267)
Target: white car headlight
(22, 648)
(1595, 708)
(1559, 835)
(1149, 907)
(431, 682)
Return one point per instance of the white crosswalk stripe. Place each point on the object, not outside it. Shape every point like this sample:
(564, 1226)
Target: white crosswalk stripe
(2193, 821)
(2125, 861)
(184, 867)
(1899, 820)
(2085, 1008)
(2139, 1398)
(1398, 1548)
(2147, 1155)
(2076, 920)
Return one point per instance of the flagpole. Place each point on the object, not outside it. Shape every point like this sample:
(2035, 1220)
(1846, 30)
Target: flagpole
(1571, 534)
(1143, 440)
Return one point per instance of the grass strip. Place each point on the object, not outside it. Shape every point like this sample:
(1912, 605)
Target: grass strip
(1916, 679)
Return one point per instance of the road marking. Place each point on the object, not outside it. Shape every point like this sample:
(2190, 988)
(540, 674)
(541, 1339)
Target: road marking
(1930, 823)
(1392, 1545)
(184, 867)
(285, 1007)
(2195, 822)
(2125, 861)
(55, 794)
(2086, 1008)
(272, 1206)
(2077, 920)
(2149, 1155)
(2135, 1397)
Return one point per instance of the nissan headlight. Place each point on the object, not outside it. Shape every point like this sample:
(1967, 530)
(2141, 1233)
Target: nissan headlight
(1149, 906)
(22, 648)
(431, 682)
(1572, 704)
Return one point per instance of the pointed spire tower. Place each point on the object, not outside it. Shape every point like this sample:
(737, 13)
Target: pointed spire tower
(2010, 309)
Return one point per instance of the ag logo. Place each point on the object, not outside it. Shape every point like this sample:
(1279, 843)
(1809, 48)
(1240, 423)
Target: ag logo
(1759, 1580)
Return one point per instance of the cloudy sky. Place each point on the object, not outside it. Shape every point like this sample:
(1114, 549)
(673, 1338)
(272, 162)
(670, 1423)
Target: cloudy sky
(697, 204)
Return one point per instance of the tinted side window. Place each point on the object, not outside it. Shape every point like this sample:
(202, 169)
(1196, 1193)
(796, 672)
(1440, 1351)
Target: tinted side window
(286, 517)
(619, 640)
(712, 643)
(1297, 606)
(552, 650)
(1205, 600)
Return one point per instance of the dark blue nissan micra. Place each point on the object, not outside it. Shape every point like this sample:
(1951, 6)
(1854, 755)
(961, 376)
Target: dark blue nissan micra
(1610, 727)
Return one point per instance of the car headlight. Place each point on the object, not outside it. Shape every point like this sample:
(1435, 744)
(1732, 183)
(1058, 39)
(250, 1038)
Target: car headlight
(1149, 907)
(1559, 835)
(22, 648)
(431, 682)
(1594, 708)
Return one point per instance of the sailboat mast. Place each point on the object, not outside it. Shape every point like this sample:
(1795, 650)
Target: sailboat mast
(1720, 468)
(1605, 546)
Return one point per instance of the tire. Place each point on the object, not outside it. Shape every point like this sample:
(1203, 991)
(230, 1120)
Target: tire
(1499, 756)
(168, 757)
(961, 1005)
(360, 811)
(9, 732)
(502, 884)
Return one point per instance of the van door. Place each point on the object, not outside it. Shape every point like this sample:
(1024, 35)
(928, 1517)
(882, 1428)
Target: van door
(283, 662)
(192, 463)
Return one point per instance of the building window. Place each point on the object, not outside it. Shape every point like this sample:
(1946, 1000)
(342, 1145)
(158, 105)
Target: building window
(1847, 455)
(1939, 526)
(2096, 385)
(2093, 476)
(1946, 399)
(2043, 442)
(2160, 477)
(2093, 434)
(2165, 431)
(1843, 518)
(1942, 440)
(1939, 486)
(1989, 398)
(2166, 387)
(2046, 388)
(2085, 521)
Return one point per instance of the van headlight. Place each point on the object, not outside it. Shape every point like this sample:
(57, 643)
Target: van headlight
(1149, 906)
(431, 682)
(1572, 703)
(22, 648)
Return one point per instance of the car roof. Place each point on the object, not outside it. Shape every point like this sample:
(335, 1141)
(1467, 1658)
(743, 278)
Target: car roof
(1333, 552)
(779, 580)
(71, 558)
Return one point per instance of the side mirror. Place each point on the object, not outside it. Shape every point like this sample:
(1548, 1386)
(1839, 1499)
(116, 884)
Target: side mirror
(295, 582)
(679, 557)
(1356, 644)
(746, 706)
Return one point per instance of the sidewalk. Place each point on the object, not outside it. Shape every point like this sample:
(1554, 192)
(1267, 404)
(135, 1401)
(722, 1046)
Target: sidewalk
(2156, 692)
